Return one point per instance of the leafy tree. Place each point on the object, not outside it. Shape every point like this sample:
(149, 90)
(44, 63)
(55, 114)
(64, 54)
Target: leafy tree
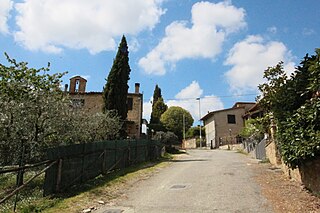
(172, 119)
(194, 132)
(35, 114)
(255, 128)
(31, 107)
(294, 105)
(167, 138)
(116, 89)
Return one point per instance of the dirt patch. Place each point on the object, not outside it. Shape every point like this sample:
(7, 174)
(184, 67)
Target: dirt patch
(284, 194)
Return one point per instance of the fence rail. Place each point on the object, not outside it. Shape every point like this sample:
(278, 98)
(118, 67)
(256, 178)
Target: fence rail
(67, 166)
(81, 162)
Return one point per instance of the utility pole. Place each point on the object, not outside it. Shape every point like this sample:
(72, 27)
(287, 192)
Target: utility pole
(200, 121)
(184, 128)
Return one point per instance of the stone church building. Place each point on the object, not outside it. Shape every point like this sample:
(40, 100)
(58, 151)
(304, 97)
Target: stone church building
(92, 102)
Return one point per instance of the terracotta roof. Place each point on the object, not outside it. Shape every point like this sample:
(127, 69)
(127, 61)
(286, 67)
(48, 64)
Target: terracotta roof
(242, 103)
(217, 111)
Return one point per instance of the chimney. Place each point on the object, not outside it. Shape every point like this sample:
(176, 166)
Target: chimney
(65, 88)
(137, 87)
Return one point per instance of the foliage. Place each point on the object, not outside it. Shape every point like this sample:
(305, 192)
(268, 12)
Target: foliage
(295, 105)
(194, 132)
(255, 128)
(156, 94)
(172, 119)
(116, 89)
(158, 106)
(83, 128)
(35, 114)
(167, 138)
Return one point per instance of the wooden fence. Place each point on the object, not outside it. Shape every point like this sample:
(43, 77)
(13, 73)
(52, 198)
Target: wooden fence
(81, 162)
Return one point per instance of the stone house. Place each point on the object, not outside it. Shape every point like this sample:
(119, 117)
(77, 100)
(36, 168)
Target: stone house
(92, 102)
(223, 126)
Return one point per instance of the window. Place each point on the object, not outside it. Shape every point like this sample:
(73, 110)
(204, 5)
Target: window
(231, 119)
(77, 102)
(77, 85)
(130, 103)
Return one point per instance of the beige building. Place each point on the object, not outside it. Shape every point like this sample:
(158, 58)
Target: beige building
(223, 126)
(92, 102)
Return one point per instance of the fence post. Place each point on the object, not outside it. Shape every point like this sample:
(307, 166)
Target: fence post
(129, 154)
(115, 152)
(59, 175)
(136, 149)
(103, 167)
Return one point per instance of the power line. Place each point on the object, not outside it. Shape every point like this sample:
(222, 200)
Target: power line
(207, 97)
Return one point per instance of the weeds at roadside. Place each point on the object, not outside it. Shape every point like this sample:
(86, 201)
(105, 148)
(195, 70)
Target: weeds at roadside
(31, 199)
(266, 160)
(241, 151)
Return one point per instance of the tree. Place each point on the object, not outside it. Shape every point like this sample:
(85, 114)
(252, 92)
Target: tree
(167, 138)
(158, 106)
(35, 115)
(172, 119)
(294, 105)
(115, 91)
(194, 132)
(156, 94)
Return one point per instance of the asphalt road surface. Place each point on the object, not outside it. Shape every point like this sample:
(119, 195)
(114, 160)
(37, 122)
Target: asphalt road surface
(201, 181)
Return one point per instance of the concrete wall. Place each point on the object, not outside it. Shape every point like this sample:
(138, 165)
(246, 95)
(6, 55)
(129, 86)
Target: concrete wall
(211, 132)
(219, 130)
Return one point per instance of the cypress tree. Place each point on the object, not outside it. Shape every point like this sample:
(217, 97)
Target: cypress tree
(157, 108)
(116, 89)
(156, 94)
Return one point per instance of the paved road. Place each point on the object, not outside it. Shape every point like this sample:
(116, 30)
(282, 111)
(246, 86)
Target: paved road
(202, 181)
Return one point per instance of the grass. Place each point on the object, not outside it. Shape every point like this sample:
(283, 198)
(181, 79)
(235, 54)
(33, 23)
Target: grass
(30, 194)
(266, 160)
(105, 188)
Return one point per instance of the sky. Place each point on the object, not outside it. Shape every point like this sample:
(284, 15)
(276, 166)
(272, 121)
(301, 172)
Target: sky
(213, 50)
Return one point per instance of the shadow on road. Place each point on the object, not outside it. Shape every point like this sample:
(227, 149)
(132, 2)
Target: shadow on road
(188, 160)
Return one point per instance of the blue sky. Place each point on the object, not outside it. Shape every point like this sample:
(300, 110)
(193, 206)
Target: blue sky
(216, 50)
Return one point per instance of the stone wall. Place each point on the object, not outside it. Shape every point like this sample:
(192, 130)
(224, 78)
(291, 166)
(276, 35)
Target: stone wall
(189, 144)
(307, 174)
(310, 174)
(271, 153)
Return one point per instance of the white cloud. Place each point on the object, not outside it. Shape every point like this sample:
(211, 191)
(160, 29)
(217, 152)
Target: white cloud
(83, 76)
(52, 25)
(249, 58)
(191, 91)
(133, 45)
(147, 109)
(211, 23)
(308, 31)
(5, 7)
(187, 99)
